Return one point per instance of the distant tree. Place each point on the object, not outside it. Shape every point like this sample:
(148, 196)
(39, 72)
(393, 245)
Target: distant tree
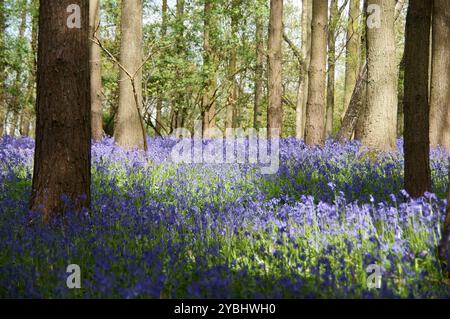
(440, 76)
(332, 31)
(416, 103)
(159, 102)
(63, 124)
(380, 114)
(96, 76)
(259, 70)
(275, 107)
(316, 107)
(128, 128)
(2, 67)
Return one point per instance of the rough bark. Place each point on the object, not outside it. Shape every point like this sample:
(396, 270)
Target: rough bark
(302, 94)
(353, 49)
(416, 104)
(316, 107)
(63, 127)
(275, 107)
(259, 71)
(380, 120)
(96, 76)
(331, 66)
(440, 76)
(128, 131)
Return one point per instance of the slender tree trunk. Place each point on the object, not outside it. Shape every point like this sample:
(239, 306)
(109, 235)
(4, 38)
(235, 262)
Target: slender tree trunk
(128, 130)
(416, 104)
(380, 120)
(315, 110)
(440, 76)
(334, 19)
(275, 109)
(353, 48)
(63, 130)
(96, 76)
(302, 94)
(159, 102)
(16, 103)
(2, 68)
(259, 72)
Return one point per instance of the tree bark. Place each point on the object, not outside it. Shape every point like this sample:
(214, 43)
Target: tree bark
(331, 66)
(315, 110)
(63, 127)
(440, 76)
(259, 72)
(96, 76)
(380, 121)
(275, 109)
(128, 129)
(416, 107)
(302, 94)
(159, 102)
(353, 49)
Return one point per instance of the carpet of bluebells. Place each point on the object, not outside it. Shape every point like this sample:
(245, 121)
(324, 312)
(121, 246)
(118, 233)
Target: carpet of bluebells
(157, 229)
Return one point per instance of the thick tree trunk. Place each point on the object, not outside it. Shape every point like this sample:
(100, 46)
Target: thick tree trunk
(259, 72)
(96, 76)
(416, 107)
(128, 129)
(315, 110)
(302, 94)
(63, 128)
(440, 76)
(353, 51)
(331, 66)
(380, 122)
(275, 107)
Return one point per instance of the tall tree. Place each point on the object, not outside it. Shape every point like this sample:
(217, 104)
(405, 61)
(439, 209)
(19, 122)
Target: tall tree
(259, 71)
(17, 100)
(440, 75)
(96, 75)
(416, 103)
(209, 65)
(302, 94)
(63, 124)
(275, 107)
(352, 53)
(315, 109)
(2, 67)
(128, 130)
(380, 114)
(159, 102)
(332, 30)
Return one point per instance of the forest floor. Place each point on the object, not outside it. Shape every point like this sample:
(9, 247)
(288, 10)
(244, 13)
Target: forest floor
(332, 222)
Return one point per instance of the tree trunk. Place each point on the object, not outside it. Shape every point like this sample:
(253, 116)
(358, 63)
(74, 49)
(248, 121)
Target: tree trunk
(353, 48)
(259, 72)
(334, 19)
(96, 76)
(159, 102)
(416, 107)
(275, 108)
(440, 76)
(2, 68)
(63, 127)
(128, 129)
(302, 94)
(315, 109)
(380, 121)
